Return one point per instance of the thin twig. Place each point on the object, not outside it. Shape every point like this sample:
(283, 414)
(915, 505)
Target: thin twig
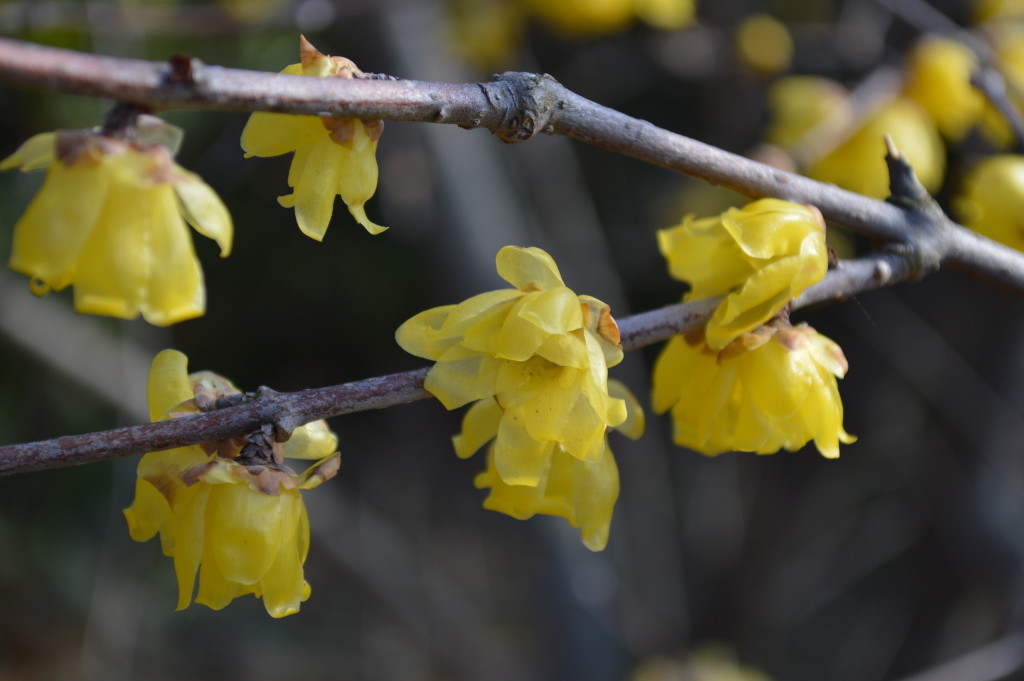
(514, 106)
(289, 410)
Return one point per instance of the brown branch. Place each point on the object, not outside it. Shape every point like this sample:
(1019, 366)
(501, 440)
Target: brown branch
(290, 410)
(515, 107)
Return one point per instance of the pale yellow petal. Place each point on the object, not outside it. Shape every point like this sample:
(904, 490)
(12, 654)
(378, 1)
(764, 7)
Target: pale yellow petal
(189, 544)
(316, 188)
(148, 512)
(274, 134)
(423, 335)
(49, 237)
(283, 587)
(357, 180)
(36, 153)
(635, 423)
(168, 384)
(313, 441)
(519, 458)
(463, 381)
(528, 269)
(245, 531)
(479, 426)
(203, 209)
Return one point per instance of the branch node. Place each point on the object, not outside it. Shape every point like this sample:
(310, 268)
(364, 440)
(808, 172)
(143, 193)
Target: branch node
(926, 248)
(530, 100)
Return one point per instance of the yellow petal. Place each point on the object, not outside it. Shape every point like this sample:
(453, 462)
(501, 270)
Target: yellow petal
(312, 441)
(463, 381)
(215, 590)
(168, 384)
(528, 269)
(479, 426)
(203, 209)
(274, 134)
(519, 458)
(36, 153)
(635, 423)
(246, 529)
(315, 187)
(283, 586)
(189, 544)
(49, 237)
(357, 180)
(148, 512)
(423, 335)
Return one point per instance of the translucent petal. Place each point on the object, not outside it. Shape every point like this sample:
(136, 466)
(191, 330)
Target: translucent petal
(555, 311)
(635, 423)
(463, 381)
(423, 335)
(312, 441)
(203, 209)
(189, 544)
(670, 371)
(148, 512)
(528, 269)
(548, 414)
(35, 153)
(316, 188)
(479, 426)
(518, 338)
(174, 289)
(595, 491)
(215, 590)
(777, 381)
(283, 586)
(274, 134)
(168, 384)
(246, 529)
(57, 224)
(358, 179)
(584, 431)
(565, 349)
(519, 458)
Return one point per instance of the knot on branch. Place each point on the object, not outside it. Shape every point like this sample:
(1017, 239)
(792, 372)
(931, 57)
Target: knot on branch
(528, 101)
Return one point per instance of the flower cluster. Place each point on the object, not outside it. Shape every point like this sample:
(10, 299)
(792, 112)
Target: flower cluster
(769, 389)
(535, 361)
(333, 156)
(750, 381)
(110, 219)
(759, 257)
(237, 520)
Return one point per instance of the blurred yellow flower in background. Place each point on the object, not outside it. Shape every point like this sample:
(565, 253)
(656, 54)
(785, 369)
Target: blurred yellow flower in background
(769, 389)
(240, 522)
(939, 81)
(594, 17)
(708, 662)
(110, 219)
(858, 164)
(797, 104)
(763, 43)
(333, 156)
(992, 198)
(759, 257)
(535, 358)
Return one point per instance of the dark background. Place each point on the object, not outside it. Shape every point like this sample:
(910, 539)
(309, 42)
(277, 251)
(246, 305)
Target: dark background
(902, 555)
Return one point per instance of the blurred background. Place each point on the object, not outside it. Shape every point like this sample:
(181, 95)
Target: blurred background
(903, 556)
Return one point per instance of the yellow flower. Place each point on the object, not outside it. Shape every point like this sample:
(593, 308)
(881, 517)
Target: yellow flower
(235, 517)
(858, 164)
(535, 358)
(110, 219)
(759, 257)
(581, 491)
(595, 17)
(333, 156)
(939, 81)
(769, 389)
(798, 104)
(763, 43)
(992, 197)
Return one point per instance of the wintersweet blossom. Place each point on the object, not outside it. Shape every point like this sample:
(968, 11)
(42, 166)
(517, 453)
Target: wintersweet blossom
(581, 491)
(110, 220)
(235, 518)
(990, 202)
(333, 156)
(759, 257)
(769, 389)
(939, 80)
(535, 359)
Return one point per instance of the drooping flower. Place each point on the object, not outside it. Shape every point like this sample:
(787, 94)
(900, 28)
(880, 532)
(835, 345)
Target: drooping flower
(333, 156)
(581, 491)
(759, 257)
(770, 389)
(991, 200)
(535, 358)
(233, 515)
(110, 219)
